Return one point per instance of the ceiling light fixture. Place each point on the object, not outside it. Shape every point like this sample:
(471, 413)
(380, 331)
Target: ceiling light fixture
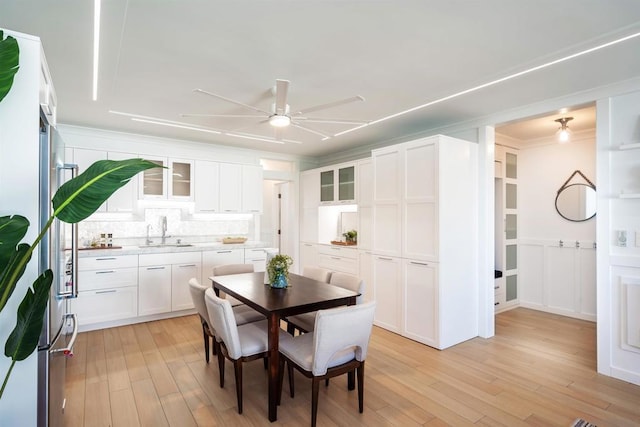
(96, 46)
(494, 82)
(279, 121)
(564, 132)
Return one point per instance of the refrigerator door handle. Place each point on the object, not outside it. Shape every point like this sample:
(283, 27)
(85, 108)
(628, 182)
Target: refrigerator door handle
(68, 350)
(73, 282)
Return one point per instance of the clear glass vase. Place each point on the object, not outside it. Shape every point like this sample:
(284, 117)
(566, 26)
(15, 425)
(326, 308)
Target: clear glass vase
(280, 280)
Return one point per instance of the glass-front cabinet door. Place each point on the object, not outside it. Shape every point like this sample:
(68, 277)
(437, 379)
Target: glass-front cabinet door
(511, 226)
(181, 182)
(327, 186)
(153, 180)
(347, 184)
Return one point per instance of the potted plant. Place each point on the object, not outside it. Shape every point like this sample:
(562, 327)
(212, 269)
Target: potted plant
(350, 236)
(278, 270)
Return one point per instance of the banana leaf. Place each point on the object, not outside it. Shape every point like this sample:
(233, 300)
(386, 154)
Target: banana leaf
(24, 337)
(12, 230)
(13, 271)
(9, 55)
(83, 195)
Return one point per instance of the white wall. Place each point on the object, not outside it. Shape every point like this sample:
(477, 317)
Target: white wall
(19, 134)
(542, 170)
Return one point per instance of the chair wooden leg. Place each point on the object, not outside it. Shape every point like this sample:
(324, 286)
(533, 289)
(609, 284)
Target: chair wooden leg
(360, 371)
(237, 365)
(221, 367)
(351, 380)
(206, 343)
(315, 387)
(290, 372)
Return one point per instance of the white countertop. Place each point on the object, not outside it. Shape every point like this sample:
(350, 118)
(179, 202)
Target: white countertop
(195, 247)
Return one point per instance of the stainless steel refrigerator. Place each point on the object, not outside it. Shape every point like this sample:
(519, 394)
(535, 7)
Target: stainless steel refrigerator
(57, 251)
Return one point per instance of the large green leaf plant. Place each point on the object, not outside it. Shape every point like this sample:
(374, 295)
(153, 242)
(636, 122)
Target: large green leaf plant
(73, 202)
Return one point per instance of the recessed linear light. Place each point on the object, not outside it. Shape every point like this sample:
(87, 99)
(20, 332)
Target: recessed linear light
(96, 46)
(494, 82)
(175, 125)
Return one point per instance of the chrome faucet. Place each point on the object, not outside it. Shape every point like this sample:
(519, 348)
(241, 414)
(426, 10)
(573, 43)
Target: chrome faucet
(149, 241)
(163, 220)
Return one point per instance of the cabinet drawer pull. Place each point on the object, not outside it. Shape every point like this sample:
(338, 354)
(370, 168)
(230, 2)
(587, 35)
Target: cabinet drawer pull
(336, 257)
(257, 250)
(106, 259)
(230, 210)
(156, 268)
(105, 272)
(497, 303)
(187, 265)
(335, 249)
(418, 263)
(307, 244)
(223, 252)
(254, 210)
(496, 287)
(208, 210)
(110, 291)
(385, 259)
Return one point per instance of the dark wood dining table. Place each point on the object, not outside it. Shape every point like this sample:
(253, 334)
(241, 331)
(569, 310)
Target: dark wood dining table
(303, 295)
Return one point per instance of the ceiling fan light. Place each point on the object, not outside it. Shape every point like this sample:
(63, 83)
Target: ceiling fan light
(279, 121)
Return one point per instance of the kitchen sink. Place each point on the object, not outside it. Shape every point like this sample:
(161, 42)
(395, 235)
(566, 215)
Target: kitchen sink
(166, 245)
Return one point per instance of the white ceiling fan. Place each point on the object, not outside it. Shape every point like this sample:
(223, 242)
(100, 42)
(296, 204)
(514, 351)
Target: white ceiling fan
(281, 115)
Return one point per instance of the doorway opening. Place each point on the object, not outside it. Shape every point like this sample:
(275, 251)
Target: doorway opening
(543, 260)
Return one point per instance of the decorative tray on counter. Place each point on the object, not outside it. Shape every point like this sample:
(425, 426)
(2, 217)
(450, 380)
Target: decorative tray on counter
(227, 240)
(337, 242)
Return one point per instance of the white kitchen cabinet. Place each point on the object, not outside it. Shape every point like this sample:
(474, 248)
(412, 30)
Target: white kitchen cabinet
(164, 281)
(387, 214)
(257, 257)
(174, 182)
(107, 289)
(365, 268)
(365, 204)
(338, 184)
(338, 258)
(207, 186)
(252, 189)
(211, 259)
(425, 208)
(421, 301)
(308, 255)
(310, 189)
(230, 188)
(154, 289)
(387, 277)
(188, 267)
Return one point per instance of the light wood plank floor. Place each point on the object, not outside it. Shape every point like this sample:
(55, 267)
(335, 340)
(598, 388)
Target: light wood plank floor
(539, 370)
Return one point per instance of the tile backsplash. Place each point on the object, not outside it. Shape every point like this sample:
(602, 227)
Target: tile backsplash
(180, 225)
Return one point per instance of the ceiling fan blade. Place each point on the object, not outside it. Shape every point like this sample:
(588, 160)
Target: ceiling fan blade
(231, 101)
(260, 138)
(342, 121)
(330, 105)
(282, 88)
(294, 124)
(222, 115)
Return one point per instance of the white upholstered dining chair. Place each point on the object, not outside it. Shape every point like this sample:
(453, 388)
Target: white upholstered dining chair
(224, 269)
(242, 313)
(239, 344)
(330, 350)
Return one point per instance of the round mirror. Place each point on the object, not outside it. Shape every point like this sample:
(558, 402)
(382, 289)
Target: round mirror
(576, 202)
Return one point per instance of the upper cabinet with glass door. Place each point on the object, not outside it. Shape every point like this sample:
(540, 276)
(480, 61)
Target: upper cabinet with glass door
(174, 182)
(338, 184)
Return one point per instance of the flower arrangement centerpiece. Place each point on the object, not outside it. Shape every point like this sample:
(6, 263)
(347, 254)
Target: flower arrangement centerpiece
(278, 270)
(350, 236)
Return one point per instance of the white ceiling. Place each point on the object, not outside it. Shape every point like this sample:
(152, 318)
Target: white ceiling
(396, 54)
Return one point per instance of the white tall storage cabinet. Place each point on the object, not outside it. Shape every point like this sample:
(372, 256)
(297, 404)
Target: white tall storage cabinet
(425, 240)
